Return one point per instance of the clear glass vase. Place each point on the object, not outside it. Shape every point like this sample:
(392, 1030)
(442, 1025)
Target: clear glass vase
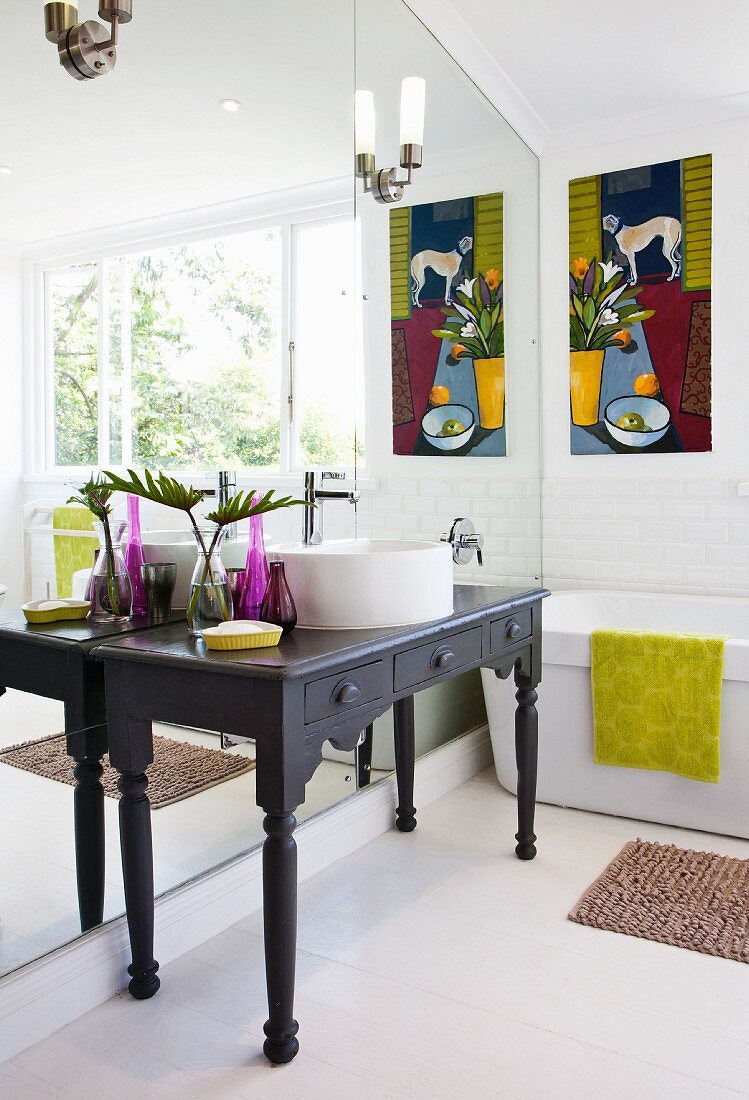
(210, 600)
(111, 592)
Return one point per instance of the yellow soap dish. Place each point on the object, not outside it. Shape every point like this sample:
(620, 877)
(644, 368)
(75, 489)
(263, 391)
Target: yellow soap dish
(52, 611)
(242, 635)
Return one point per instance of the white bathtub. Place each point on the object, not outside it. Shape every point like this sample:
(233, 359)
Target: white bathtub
(567, 775)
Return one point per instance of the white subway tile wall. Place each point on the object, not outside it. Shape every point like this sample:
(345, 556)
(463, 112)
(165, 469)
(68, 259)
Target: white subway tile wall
(654, 535)
(506, 512)
(664, 534)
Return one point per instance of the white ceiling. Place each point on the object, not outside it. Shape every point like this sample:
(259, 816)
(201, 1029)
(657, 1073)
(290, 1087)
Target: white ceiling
(580, 63)
(150, 138)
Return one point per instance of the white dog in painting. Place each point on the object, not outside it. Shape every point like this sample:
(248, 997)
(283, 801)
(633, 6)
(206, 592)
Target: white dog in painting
(446, 264)
(631, 239)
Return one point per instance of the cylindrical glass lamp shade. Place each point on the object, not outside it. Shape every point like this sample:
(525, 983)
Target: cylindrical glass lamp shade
(364, 122)
(413, 101)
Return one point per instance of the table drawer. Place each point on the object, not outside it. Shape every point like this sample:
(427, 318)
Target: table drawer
(512, 628)
(420, 665)
(345, 691)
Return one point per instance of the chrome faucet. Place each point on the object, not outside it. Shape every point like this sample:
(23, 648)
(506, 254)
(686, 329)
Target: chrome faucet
(315, 498)
(227, 487)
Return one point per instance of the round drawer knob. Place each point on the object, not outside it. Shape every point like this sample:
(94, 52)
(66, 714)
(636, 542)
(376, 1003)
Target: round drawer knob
(514, 630)
(442, 657)
(347, 692)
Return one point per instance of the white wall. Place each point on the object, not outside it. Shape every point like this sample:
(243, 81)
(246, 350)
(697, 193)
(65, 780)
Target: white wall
(11, 425)
(651, 520)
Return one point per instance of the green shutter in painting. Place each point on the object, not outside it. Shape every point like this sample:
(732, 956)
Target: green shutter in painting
(697, 227)
(585, 218)
(400, 264)
(488, 234)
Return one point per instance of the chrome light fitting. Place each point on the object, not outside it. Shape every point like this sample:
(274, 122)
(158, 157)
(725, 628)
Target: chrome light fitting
(86, 50)
(384, 183)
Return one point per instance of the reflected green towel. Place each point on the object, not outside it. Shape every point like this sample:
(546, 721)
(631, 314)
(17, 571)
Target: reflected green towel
(656, 701)
(71, 552)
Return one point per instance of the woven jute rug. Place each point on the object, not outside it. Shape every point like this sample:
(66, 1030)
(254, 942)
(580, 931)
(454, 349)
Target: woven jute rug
(179, 769)
(696, 900)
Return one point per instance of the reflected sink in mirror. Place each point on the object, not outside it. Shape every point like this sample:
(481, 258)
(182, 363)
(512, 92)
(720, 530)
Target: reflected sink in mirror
(179, 547)
(359, 583)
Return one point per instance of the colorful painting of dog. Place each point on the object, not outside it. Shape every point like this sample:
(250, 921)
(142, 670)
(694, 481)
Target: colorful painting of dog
(447, 328)
(639, 290)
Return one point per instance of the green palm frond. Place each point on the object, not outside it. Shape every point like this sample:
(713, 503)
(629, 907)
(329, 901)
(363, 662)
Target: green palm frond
(173, 494)
(94, 495)
(241, 507)
(161, 490)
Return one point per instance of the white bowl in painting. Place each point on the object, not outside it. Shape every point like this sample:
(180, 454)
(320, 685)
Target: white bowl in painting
(433, 422)
(655, 415)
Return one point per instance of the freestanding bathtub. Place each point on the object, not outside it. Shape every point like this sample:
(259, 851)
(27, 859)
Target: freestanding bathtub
(567, 775)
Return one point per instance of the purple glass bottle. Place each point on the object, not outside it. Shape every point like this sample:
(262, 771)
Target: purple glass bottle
(89, 593)
(134, 556)
(278, 603)
(257, 573)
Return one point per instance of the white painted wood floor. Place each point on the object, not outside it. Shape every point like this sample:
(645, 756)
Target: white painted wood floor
(432, 965)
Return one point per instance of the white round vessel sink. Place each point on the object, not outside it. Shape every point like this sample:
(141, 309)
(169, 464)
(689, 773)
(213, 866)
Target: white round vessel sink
(359, 583)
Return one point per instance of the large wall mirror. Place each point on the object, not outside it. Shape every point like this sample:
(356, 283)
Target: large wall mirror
(172, 273)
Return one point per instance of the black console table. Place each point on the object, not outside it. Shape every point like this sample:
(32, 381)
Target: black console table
(317, 685)
(54, 660)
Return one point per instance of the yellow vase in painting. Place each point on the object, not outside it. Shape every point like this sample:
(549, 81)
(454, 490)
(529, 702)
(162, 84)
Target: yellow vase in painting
(586, 368)
(490, 390)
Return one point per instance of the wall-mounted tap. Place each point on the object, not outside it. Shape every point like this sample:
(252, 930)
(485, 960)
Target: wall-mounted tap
(465, 541)
(227, 487)
(312, 531)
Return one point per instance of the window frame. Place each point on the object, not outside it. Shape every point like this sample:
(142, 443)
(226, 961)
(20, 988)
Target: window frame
(108, 247)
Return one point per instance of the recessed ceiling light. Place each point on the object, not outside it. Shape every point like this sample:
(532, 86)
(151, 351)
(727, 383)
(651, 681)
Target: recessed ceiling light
(5, 170)
(231, 105)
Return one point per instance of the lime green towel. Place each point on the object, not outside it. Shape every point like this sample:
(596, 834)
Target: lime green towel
(71, 551)
(656, 701)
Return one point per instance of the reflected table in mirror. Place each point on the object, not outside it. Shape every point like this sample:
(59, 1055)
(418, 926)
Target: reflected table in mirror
(316, 685)
(54, 660)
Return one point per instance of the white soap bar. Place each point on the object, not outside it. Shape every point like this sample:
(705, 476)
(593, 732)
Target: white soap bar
(242, 626)
(50, 605)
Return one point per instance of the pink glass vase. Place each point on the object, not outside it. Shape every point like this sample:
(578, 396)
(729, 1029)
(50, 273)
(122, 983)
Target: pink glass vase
(256, 572)
(134, 556)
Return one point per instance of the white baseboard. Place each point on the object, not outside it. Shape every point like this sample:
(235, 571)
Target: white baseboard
(43, 996)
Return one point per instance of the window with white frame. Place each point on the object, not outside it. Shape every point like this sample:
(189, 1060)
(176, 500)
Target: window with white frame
(231, 352)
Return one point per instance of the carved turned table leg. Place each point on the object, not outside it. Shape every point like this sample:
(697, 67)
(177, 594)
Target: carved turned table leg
(88, 814)
(86, 743)
(526, 751)
(280, 917)
(405, 762)
(130, 752)
(137, 870)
